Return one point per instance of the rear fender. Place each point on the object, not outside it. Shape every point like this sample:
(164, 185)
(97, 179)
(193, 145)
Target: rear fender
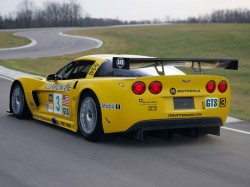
(30, 86)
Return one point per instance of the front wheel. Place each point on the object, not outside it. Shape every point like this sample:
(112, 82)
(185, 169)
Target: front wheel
(89, 117)
(18, 102)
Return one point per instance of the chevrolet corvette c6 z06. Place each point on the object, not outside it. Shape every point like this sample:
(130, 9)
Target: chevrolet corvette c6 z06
(105, 94)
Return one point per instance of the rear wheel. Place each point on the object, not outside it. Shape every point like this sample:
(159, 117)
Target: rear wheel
(18, 102)
(89, 117)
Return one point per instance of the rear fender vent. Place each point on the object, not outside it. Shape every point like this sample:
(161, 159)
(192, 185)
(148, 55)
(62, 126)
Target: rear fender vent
(35, 97)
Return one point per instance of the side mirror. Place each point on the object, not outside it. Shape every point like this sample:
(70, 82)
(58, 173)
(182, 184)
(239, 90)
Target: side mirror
(51, 77)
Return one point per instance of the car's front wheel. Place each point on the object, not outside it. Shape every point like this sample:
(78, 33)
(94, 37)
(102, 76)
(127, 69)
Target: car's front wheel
(89, 117)
(18, 102)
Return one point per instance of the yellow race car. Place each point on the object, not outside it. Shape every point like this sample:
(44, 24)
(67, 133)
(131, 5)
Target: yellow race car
(106, 94)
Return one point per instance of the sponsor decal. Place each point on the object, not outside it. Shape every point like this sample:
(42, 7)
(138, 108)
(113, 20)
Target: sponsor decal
(147, 102)
(223, 102)
(117, 106)
(65, 100)
(50, 97)
(93, 69)
(189, 91)
(152, 108)
(211, 103)
(184, 115)
(111, 106)
(49, 107)
(58, 87)
(66, 111)
(57, 103)
(173, 91)
(120, 62)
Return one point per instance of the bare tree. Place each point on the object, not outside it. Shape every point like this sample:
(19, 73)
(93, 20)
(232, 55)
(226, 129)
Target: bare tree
(52, 13)
(1, 21)
(65, 13)
(24, 13)
(75, 12)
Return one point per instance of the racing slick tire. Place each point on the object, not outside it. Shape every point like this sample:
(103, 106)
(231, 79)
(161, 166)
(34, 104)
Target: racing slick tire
(18, 102)
(89, 117)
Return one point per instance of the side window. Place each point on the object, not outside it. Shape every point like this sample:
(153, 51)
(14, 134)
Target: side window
(81, 69)
(65, 71)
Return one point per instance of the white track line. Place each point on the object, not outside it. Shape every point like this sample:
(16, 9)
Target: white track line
(99, 42)
(236, 130)
(6, 78)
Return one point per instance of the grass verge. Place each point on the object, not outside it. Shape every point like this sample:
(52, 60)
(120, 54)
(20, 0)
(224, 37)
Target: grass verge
(8, 40)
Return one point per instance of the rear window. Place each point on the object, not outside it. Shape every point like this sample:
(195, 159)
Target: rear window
(106, 70)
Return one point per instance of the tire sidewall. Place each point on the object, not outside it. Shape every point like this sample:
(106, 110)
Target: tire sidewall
(20, 113)
(98, 131)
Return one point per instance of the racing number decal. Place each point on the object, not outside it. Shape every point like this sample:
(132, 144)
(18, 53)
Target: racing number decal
(211, 102)
(222, 102)
(58, 103)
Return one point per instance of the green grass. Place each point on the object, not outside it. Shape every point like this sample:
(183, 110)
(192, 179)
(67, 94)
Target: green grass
(8, 40)
(198, 40)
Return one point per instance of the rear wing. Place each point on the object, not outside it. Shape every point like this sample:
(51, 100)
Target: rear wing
(197, 64)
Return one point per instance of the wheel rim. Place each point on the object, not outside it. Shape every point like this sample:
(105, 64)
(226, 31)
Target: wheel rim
(17, 100)
(88, 115)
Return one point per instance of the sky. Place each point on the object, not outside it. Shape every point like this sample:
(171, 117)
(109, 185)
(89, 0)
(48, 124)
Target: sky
(140, 9)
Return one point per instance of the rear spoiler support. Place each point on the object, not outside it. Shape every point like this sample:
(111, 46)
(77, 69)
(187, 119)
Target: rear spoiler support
(199, 70)
(160, 71)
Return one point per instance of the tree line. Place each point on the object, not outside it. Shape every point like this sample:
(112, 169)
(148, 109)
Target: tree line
(223, 16)
(52, 14)
(70, 14)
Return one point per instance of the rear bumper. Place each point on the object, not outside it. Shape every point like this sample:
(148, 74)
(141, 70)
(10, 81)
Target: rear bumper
(163, 124)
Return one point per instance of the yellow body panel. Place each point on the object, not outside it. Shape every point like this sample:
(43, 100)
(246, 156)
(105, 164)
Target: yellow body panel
(120, 107)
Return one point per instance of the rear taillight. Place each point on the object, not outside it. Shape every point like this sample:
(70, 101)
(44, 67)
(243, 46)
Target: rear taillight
(138, 87)
(222, 87)
(210, 87)
(155, 87)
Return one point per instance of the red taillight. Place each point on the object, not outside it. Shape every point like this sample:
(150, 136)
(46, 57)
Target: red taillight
(155, 87)
(210, 87)
(138, 87)
(222, 87)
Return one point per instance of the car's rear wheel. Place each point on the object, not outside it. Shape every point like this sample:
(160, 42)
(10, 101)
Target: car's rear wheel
(89, 117)
(18, 102)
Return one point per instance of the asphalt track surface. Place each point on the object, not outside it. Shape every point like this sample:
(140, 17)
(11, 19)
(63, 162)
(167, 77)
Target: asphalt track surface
(34, 154)
(49, 42)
